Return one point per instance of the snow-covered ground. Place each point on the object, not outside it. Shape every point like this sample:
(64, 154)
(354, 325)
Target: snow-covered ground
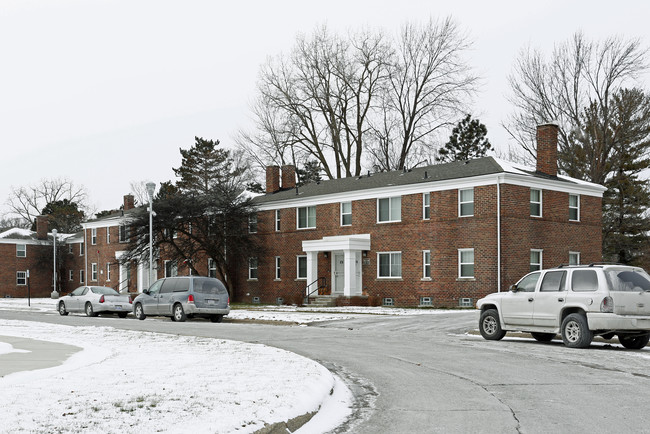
(130, 381)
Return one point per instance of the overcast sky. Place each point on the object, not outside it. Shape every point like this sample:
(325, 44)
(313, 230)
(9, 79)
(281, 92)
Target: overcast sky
(105, 92)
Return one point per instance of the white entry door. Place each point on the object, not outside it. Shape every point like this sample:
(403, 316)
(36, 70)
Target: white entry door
(339, 273)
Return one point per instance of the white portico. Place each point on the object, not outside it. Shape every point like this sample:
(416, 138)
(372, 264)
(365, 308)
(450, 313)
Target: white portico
(346, 251)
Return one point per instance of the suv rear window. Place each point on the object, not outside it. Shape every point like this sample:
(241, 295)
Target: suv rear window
(209, 286)
(628, 280)
(584, 280)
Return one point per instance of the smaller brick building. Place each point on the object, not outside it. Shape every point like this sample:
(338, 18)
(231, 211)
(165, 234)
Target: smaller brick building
(442, 235)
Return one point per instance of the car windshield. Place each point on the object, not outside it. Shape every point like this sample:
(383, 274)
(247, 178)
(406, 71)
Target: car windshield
(103, 290)
(628, 280)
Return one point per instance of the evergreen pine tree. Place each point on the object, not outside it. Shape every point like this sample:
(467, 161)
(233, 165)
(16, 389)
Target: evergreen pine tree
(468, 140)
(310, 172)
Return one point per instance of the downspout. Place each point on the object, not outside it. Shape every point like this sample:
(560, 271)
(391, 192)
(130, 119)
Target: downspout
(86, 281)
(498, 233)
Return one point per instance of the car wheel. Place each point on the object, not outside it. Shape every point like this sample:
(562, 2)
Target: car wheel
(543, 337)
(179, 313)
(139, 312)
(575, 331)
(89, 309)
(122, 314)
(62, 310)
(490, 326)
(634, 342)
(216, 318)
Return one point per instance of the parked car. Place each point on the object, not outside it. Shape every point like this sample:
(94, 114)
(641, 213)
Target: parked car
(94, 300)
(578, 302)
(183, 297)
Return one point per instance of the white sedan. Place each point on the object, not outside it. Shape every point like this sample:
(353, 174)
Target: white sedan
(94, 300)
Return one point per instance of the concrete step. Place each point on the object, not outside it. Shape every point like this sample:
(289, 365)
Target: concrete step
(323, 301)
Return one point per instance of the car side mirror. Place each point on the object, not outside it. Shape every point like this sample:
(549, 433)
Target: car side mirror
(145, 291)
(513, 287)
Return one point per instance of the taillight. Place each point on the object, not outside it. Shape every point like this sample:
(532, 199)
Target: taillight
(607, 305)
(101, 299)
(228, 301)
(190, 298)
(130, 301)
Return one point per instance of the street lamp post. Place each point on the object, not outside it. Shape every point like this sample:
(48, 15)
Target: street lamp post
(151, 187)
(55, 293)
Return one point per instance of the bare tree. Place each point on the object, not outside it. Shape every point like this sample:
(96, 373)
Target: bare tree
(581, 74)
(27, 202)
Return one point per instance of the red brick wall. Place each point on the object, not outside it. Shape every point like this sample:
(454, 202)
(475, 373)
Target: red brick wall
(443, 235)
(40, 282)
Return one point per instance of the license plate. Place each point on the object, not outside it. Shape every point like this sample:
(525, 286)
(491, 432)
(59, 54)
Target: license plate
(118, 307)
(211, 302)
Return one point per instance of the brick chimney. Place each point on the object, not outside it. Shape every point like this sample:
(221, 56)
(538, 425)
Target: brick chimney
(272, 179)
(129, 202)
(41, 227)
(547, 148)
(288, 176)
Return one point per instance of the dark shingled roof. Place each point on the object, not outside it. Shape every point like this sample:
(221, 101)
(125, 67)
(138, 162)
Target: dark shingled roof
(438, 172)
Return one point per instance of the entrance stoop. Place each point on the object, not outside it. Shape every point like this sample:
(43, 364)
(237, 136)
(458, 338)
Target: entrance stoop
(322, 300)
(338, 300)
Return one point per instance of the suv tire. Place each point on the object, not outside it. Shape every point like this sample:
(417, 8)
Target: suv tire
(634, 342)
(490, 327)
(575, 331)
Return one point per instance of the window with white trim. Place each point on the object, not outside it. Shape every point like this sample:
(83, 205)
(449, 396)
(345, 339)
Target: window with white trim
(535, 259)
(93, 236)
(171, 268)
(93, 272)
(277, 219)
(574, 258)
(252, 224)
(426, 301)
(278, 274)
(21, 278)
(535, 202)
(252, 268)
(389, 264)
(69, 248)
(82, 249)
(70, 275)
(387, 301)
(212, 268)
(574, 207)
(426, 206)
(108, 235)
(465, 263)
(307, 217)
(389, 209)
(21, 250)
(465, 302)
(426, 264)
(82, 276)
(123, 234)
(108, 271)
(301, 267)
(346, 213)
(466, 202)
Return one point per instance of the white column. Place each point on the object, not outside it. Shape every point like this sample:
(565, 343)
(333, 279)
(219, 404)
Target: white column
(350, 277)
(312, 270)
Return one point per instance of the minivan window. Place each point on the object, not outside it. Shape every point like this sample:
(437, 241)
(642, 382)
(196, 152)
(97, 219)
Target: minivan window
(208, 286)
(182, 285)
(584, 280)
(553, 281)
(168, 286)
(153, 289)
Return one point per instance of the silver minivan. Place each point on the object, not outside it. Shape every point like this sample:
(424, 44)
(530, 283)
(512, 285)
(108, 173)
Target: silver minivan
(184, 297)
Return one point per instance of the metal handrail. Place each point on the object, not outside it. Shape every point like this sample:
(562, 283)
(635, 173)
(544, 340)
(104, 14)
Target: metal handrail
(318, 288)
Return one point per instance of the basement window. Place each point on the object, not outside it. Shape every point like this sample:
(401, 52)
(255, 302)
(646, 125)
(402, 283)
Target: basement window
(387, 301)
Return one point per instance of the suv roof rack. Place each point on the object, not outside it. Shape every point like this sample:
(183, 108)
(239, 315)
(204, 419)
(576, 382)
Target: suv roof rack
(593, 264)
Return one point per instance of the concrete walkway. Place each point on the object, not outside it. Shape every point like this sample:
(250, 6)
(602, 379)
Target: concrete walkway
(39, 355)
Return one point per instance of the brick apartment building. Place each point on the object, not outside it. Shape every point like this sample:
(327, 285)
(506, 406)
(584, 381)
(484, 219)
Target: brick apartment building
(441, 235)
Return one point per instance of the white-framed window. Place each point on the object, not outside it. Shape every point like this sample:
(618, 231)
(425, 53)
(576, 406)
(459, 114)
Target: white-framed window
(123, 234)
(426, 301)
(574, 258)
(426, 264)
(387, 301)
(70, 275)
(212, 268)
(389, 264)
(301, 267)
(171, 268)
(466, 202)
(389, 209)
(426, 206)
(108, 271)
(93, 236)
(82, 249)
(574, 207)
(21, 278)
(278, 274)
(252, 268)
(21, 250)
(465, 302)
(535, 202)
(465, 263)
(306, 217)
(535, 259)
(69, 248)
(93, 272)
(277, 219)
(346, 213)
(82, 276)
(108, 235)
(252, 224)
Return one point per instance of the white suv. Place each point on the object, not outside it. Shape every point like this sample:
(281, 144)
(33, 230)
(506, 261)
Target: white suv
(579, 302)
